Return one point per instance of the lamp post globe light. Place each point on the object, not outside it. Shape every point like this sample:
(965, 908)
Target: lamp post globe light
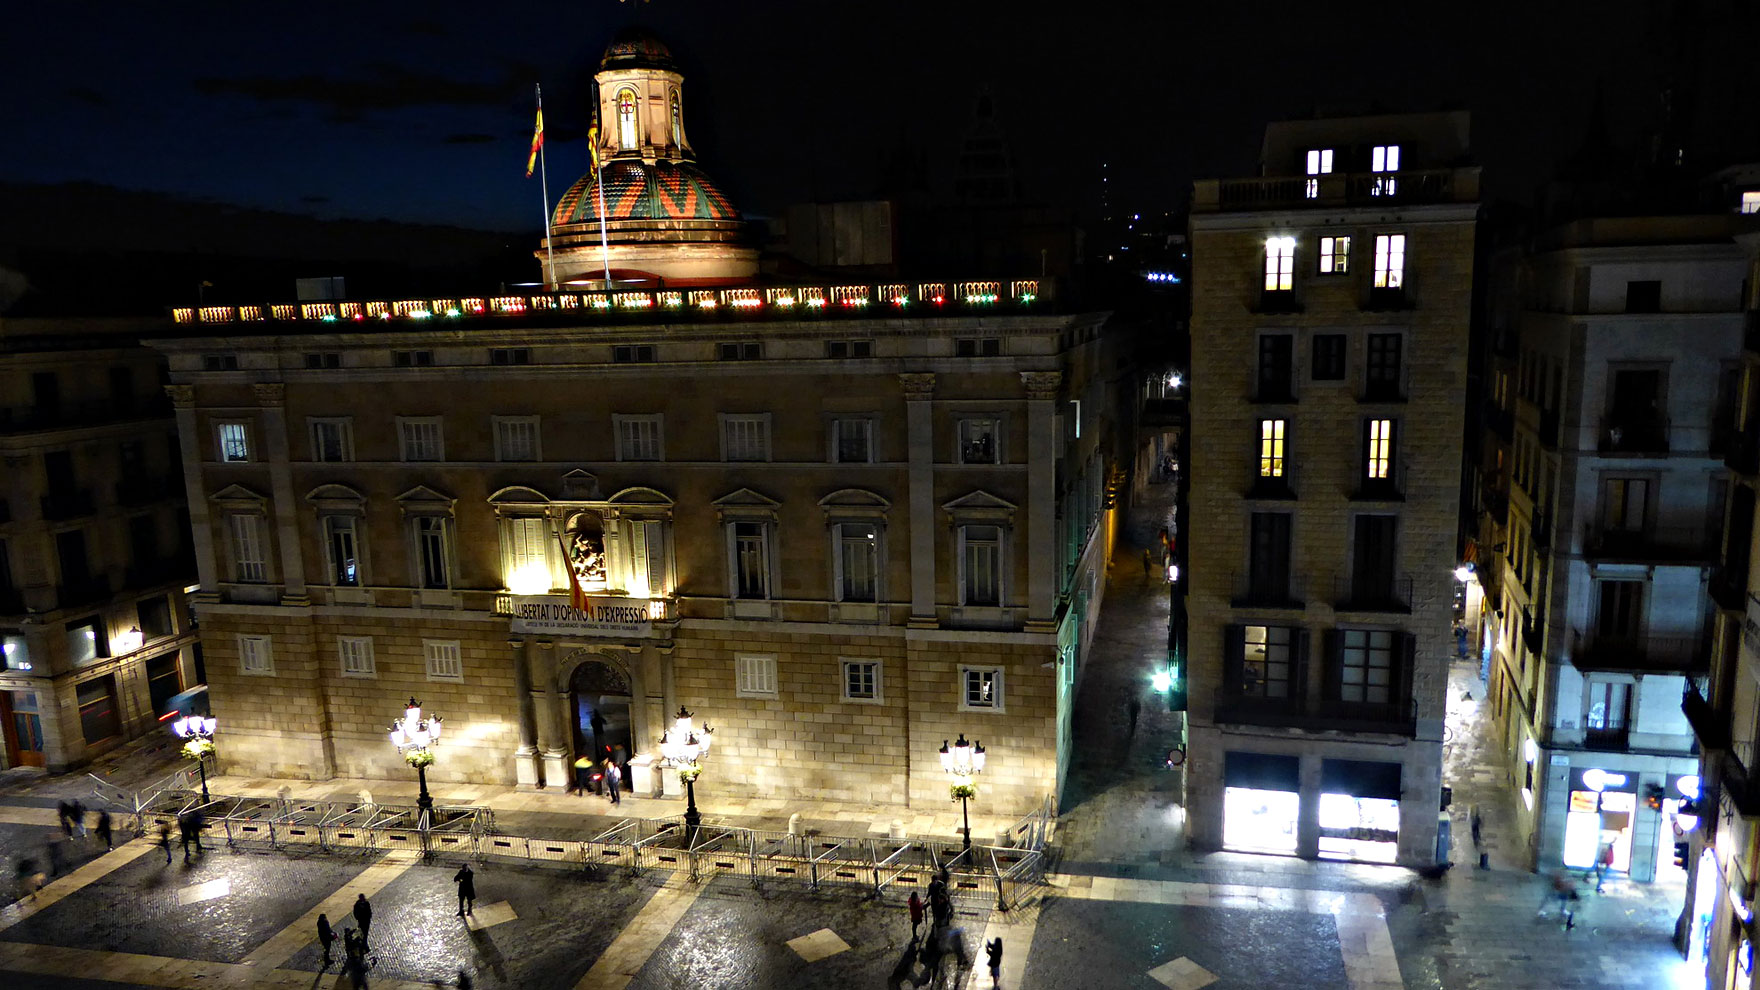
(963, 762)
(414, 734)
(197, 733)
(682, 746)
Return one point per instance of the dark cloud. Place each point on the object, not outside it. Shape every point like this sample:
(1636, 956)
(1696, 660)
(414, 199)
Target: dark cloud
(86, 94)
(387, 87)
(467, 139)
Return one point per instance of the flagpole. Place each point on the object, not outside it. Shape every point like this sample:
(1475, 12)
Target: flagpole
(599, 184)
(544, 187)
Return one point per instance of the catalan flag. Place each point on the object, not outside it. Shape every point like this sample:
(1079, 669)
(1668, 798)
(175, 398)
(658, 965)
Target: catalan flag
(576, 597)
(537, 142)
(593, 141)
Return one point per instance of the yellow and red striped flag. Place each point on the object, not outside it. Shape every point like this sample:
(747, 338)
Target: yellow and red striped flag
(537, 142)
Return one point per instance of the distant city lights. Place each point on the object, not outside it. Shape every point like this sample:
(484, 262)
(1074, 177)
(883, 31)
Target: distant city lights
(1168, 277)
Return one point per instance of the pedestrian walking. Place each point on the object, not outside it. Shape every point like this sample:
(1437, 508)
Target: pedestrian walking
(1566, 892)
(916, 905)
(363, 913)
(930, 957)
(354, 961)
(940, 904)
(77, 810)
(1603, 863)
(1135, 707)
(64, 815)
(190, 824)
(993, 950)
(467, 890)
(165, 840)
(104, 834)
(613, 781)
(326, 936)
(583, 771)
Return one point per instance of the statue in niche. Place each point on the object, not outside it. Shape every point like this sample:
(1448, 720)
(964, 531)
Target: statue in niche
(586, 554)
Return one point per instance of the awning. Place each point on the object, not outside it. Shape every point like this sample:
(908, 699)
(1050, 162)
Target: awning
(1262, 771)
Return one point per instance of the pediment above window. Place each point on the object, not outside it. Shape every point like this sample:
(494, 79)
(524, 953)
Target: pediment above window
(854, 503)
(580, 486)
(746, 504)
(519, 495)
(335, 498)
(641, 496)
(423, 498)
(980, 506)
(238, 497)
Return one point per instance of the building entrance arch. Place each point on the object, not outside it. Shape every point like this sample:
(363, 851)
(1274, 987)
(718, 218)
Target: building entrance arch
(601, 715)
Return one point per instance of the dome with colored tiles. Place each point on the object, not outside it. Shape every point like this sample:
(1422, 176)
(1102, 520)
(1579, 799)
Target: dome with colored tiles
(639, 190)
(634, 46)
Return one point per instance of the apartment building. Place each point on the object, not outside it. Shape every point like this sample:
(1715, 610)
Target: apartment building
(94, 554)
(1331, 303)
(841, 524)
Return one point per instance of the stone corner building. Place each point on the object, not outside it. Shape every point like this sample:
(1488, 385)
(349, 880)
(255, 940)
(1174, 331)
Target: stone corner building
(1330, 316)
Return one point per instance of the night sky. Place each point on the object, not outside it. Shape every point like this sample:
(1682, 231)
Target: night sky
(422, 111)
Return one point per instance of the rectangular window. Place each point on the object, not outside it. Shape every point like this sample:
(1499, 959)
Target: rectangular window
(754, 675)
(421, 439)
(250, 565)
(852, 440)
(219, 362)
(982, 565)
(1378, 449)
(1390, 261)
(332, 440)
(638, 438)
(1620, 616)
(98, 718)
(648, 553)
(516, 438)
(980, 441)
(980, 688)
(1365, 666)
(1609, 706)
(16, 650)
(1329, 357)
(322, 360)
(849, 348)
(1750, 201)
(1268, 661)
(510, 355)
(1335, 255)
(154, 615)
(742, 350)
(1276, 366)
(745, 438)
(1384, 159)
(857, 561)
(432, 557)
(235, 444)
(861, 680)
(1381, 373)
(412, 359)
(342, 538)
(1374, 560)
(86, 641)
(1625, 505)
(254, 656)
(445, 661)
(1280, 264)
(528, 552)
(1271, 447)
(356, 653)
(977, 347)
(633, 353)
(751, 557)
(1319, 163)
(1268, 563)
(1644, 296)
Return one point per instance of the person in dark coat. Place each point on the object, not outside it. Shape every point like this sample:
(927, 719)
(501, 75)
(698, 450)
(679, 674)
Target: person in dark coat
(363, 913)
(326, 936)
(77, 809)
(165, 840)
(64, 814)
(993, 950)
(467, 890)
(104, 834)
(54, 849)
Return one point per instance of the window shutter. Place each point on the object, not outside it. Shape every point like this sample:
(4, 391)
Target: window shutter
(1233, 655)
(1334, 647)
(1298, 688)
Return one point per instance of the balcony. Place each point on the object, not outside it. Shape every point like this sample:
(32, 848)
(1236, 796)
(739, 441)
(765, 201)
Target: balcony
(1609, 738)
(1263, 594)
(1383, 300)
(1540, 528)
(1441, 185)
(143, 491)
(68, 415)
(1399, 718)
(61, 506)
(1497, 506)
(76, 593)
(1729, 586)
(1534, 638)
(1651, 545)
(1633, 435)
(1548, 429)
(1710, 726)
(1639, 653)
(1373, 592)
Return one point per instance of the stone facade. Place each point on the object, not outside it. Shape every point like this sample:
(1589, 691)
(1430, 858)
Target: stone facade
(94, 552)
(1287, 385)
(704, 481)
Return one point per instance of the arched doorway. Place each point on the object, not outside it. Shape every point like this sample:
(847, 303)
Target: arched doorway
(601, 726)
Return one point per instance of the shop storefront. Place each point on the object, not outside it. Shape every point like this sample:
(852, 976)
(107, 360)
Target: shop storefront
(1261, 802)
(1359, 810)
(1602, 812)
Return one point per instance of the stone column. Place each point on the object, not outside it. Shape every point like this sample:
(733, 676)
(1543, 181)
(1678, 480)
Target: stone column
(919, 390)
(525, 757)
(548, 695)
(1308, 812)
(183, 398)
(270, 397)
(1042, 555)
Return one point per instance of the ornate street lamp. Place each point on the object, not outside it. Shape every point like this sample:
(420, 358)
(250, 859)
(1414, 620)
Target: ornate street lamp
(682, 746)
(963, 762)
(413, 734)
(197, 733)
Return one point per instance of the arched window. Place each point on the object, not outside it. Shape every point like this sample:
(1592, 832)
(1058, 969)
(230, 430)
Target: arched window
(677, 123)
(626, 119)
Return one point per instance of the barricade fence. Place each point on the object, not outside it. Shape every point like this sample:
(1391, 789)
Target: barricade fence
(1004, 875)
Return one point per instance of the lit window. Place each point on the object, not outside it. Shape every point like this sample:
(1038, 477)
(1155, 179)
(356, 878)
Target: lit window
(745, 438)
(981, 560)
(528, 555)
(1384, 158)
(1390, 261)
(677, 122)
(638, 438)
(254, 656)
(861, 680)
(1751, 201)
(343, 538)
(754, 675)
(357, 656)
(332, 440)
(235, 442)
(626, 118)
(648, 557)
(1319, 163)
(1365, 669)
(981, 688)
(1280, 264)
(248, 561)
(857, 559)
(445, 662)
(1378, 460)
(1335, 255)
(1271, 448)
(421, 439)
(1267, 661)
(516, 438)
